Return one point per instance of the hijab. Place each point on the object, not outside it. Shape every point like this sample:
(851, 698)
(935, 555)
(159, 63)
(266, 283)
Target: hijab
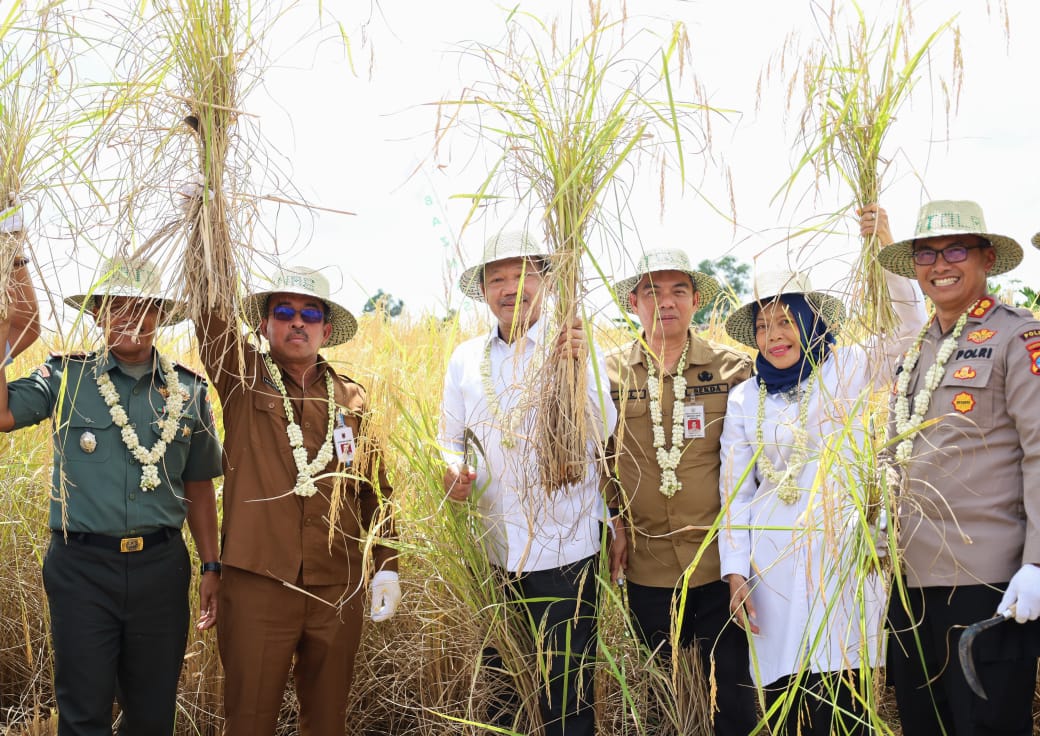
(815, 340)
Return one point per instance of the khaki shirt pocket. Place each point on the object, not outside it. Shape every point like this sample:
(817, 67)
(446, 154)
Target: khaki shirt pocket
(965, 392)
(270, 406)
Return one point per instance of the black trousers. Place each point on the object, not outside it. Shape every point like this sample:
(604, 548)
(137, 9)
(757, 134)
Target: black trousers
(558, 606)
(705, 623)
(931, 692)
(119, 626)
(820, 705)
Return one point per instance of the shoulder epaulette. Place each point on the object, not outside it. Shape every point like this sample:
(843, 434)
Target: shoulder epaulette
(190, 371)
(348, 379)
(56, 355)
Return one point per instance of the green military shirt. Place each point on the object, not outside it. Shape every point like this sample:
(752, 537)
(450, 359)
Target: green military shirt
(94, 472)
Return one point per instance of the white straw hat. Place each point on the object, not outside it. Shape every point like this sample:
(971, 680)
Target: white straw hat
(499, 248)
(135, 279)
(667, 259)
(306, 282)
(741, 324)
(942, 218)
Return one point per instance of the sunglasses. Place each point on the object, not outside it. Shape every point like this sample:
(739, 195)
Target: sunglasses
(950, 254)
(310, 315)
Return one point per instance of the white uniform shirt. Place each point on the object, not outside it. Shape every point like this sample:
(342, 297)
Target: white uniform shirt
(796, 556)
(527, 529)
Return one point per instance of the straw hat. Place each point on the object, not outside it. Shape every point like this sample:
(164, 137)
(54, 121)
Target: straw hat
(498, 248)
(944, 217)
(136, 279)
(667, 260)
(741, 324)
(1036, 241)
(306, 282)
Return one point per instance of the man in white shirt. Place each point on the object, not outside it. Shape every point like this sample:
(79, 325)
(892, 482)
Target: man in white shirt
(544, 544)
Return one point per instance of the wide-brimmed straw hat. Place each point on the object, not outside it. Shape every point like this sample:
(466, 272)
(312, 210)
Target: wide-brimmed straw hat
(771, 284)
(1036, 240)
(136, 278)
(667, 259)
(943, 218)
(306, 282)
(498, 248)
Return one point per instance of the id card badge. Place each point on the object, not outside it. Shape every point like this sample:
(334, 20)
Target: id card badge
(693, 420)
(343, 439)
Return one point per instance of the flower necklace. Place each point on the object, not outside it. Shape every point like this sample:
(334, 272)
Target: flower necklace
(905, 423)
(168, 425)
(305, 471)
(784, 480)
(668, 460)
(508, 421)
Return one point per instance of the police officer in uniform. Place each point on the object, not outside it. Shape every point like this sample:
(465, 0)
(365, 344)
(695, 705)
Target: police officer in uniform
(655, 500)
(967, 472)
(135, 453)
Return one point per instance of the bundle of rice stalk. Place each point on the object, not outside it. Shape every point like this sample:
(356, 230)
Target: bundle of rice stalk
(855, 81)
(573, 116)
(203, 36)
(30, 69)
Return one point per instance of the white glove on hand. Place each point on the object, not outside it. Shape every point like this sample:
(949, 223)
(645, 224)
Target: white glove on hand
(11, 218)
(1023, 592)
(386, 594)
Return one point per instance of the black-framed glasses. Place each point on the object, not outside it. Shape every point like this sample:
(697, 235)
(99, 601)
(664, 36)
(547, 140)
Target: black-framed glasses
(310, 315)
(950, 254)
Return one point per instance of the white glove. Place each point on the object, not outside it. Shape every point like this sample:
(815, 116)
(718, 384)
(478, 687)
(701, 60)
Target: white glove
(1023, 592)
(186, 195)
(11, 218)
(386, 594)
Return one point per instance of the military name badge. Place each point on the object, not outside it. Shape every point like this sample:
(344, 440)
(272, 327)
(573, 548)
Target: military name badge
(964, 373)
(88, 442)
(963, 402)
(693, 420)
(980, 336)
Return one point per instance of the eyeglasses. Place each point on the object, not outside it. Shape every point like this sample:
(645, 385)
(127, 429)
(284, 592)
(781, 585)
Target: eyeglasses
(950, 254)
(310, 315)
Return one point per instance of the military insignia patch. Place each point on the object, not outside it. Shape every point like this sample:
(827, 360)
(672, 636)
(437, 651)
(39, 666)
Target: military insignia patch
(964, 373)
(980, 336)
(982, 307)
(963, 402)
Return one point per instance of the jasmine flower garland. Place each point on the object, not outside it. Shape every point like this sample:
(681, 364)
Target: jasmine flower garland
(305, 471)
(507, 422)
(905, 423)
(668, 460)
(168, 425)
(784, 480)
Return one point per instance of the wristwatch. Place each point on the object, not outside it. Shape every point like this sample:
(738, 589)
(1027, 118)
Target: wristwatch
(210, 567)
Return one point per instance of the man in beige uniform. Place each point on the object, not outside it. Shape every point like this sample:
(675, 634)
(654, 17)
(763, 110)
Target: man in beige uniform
(291, 594)
(969, 483)
(655, 498)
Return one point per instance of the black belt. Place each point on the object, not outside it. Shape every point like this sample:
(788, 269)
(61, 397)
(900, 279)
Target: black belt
(121, 544)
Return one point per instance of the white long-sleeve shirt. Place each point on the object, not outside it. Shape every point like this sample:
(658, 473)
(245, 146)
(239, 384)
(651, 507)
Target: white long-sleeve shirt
(527, 529)
(809, 606)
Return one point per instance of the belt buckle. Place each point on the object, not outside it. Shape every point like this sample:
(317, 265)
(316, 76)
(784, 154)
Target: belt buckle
(131, 544)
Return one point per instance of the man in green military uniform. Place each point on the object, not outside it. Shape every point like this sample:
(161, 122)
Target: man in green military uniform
(135, 453)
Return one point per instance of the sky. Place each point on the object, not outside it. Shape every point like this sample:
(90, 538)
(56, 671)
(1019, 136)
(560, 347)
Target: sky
(360, 137)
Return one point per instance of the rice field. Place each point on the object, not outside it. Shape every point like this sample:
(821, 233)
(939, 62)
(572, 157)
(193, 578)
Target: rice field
(417, 673)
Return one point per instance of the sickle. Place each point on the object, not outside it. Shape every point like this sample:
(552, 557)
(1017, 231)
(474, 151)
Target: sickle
(964, 648)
